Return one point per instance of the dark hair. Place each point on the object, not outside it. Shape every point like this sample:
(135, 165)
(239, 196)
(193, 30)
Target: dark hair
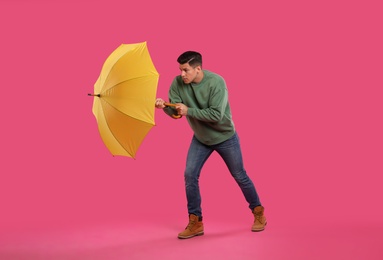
(192, 57)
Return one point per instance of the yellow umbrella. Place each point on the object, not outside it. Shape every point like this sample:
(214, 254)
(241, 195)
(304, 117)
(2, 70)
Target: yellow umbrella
(124, 98)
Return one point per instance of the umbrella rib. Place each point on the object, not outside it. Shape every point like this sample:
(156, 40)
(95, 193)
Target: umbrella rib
(129, 79)
(112, 131)
(114, 64)
(116, 86)
(123, 112)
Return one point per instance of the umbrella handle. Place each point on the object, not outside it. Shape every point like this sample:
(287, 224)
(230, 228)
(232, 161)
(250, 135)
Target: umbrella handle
(172, 105)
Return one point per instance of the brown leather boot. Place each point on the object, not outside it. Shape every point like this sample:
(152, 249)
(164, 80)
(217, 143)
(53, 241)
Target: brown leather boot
(194, 228)
(259, 219)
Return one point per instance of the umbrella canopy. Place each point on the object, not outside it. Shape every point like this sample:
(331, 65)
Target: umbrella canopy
(124, 98)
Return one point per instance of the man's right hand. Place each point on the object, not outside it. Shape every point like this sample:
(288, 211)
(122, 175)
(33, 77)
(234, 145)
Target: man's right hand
(160, 103)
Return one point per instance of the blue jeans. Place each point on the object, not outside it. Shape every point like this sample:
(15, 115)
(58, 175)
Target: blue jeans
(230, 151)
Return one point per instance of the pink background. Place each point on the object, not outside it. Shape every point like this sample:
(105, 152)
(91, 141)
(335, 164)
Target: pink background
(305, 84)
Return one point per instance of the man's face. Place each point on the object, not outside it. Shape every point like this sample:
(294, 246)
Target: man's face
(188, 73)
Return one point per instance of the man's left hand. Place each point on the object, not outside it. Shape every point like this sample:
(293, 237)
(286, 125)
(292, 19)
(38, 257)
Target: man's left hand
(182, 109)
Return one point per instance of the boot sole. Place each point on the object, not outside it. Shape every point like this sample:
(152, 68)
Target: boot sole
(194, 235)
(259, 230)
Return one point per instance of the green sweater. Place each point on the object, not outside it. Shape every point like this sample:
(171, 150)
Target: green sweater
(209, 113)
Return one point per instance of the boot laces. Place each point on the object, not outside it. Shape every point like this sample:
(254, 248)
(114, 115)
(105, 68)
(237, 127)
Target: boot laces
(191, 224)
(258, 216)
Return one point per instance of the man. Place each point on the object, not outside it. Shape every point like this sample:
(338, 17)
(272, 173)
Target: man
(202, 97)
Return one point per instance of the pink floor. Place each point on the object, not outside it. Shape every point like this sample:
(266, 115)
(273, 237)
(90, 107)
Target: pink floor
(138, 240)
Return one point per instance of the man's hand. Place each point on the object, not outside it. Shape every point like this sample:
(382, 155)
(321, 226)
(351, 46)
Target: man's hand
(160, 103)
(182, 109)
